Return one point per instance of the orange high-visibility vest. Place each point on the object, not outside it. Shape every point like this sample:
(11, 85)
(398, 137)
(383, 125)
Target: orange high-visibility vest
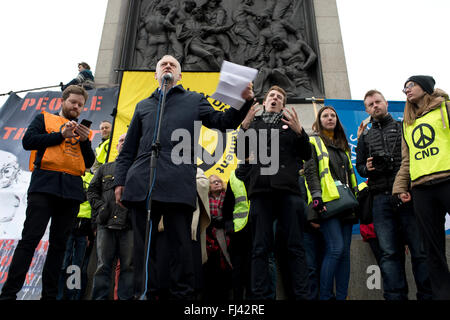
(65, 157)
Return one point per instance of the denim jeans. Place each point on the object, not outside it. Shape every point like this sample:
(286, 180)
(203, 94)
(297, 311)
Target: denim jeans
(273, 275)
(111, 244)
(394, 229)
(336, 262)
(75, 250)
(314, 249)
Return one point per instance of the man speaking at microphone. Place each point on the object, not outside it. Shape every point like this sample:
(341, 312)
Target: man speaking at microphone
(170, 270)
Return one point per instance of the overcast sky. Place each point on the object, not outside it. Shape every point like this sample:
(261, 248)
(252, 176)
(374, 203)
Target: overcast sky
(385, 42)
(42, 41)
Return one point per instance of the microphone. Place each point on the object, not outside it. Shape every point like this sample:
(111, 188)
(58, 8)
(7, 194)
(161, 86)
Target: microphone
(168, 78)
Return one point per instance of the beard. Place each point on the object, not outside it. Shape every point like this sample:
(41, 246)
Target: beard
(68, 113)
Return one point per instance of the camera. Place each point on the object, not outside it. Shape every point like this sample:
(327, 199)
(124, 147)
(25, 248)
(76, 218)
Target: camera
(383, 162)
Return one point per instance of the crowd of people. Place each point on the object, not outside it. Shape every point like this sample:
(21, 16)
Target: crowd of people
(165, 230)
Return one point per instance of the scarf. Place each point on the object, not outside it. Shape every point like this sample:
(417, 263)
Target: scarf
(271, 117)
(329, 134)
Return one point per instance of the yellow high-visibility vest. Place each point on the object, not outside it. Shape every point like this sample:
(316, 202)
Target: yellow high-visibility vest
(241, 203)
(85, 207)
(428, 140)
(102, 151)
(327, 184)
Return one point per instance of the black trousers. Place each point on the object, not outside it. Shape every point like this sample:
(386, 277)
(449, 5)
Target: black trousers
(41, 207)
(240, 253)
(287, 208)
(431, 203)
(217, 282)
(170, 267)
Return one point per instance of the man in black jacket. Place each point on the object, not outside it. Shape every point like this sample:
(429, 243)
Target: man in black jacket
(56, 190)
(378, 158)
(114, 233)
(277, 195)
(173, 192)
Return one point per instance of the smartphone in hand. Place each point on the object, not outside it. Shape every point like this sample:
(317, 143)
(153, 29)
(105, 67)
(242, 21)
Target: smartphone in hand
(86, 123)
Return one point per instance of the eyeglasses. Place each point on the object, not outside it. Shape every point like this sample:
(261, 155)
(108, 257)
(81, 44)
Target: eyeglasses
(409, 86)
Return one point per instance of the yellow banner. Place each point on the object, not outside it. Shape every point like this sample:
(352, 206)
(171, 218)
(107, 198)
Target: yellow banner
(139, 85)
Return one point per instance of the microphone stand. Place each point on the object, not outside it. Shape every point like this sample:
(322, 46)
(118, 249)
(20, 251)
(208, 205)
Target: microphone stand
(155, 150)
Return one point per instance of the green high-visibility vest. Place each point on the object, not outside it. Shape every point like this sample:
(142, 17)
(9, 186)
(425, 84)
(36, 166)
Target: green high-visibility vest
(85, 207)
(428, 140)
(102, 151)
(327, 184)
(241, 203)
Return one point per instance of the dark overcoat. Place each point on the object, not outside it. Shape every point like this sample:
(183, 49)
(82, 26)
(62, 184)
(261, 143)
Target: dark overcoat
(175, 182)
(293, 149)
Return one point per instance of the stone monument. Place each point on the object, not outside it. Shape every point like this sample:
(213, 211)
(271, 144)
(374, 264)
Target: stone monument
(293, 43)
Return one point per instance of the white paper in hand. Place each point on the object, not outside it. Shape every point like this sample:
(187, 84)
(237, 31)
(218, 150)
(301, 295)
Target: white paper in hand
(234, 78)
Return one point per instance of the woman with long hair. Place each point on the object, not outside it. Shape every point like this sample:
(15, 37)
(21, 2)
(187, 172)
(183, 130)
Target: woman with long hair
(330, 165)
(424, 175)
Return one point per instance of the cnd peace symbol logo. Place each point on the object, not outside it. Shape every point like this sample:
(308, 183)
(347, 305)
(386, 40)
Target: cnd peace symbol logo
(423, 135)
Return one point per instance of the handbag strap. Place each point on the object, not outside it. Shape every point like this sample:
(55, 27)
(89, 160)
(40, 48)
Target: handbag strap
(344, 164)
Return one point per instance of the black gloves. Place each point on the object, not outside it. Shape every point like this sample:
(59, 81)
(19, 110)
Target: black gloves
(396, 202)
(318, 204)
(217, 221)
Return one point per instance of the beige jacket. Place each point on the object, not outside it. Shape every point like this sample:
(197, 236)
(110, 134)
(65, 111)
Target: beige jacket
(201, 214)
(402, 180)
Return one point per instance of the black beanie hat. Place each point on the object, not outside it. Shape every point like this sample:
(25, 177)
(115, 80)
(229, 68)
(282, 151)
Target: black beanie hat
(425, 82)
